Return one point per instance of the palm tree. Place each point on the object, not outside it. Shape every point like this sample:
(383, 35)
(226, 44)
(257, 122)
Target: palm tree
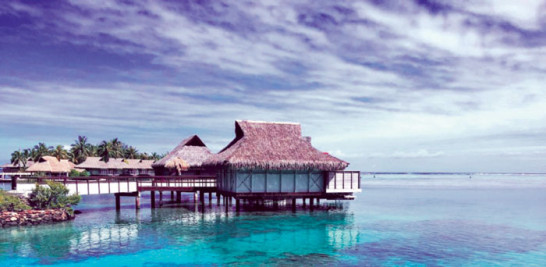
(19, 158)
(72, 157)
(117, 148)
(41, 150)
(93, 150)
(144, 156)
(105, 150)
(131, 153)
(60, 153)
(32, 154)
(155, 156)
(27, 154)
(80, 149)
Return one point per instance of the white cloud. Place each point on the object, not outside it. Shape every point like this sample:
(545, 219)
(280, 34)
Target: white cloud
(411, 78)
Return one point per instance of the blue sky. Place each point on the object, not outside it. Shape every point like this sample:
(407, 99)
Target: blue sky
(385, 85)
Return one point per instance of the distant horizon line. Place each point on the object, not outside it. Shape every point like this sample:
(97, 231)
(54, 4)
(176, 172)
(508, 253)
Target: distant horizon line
(461, 173)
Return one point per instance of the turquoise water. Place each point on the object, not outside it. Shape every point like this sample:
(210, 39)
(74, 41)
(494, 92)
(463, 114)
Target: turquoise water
(490, 222)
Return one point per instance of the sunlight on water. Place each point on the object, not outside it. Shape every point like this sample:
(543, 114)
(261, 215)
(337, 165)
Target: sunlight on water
(390, 223)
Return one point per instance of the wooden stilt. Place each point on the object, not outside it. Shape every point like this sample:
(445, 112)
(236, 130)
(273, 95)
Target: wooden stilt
(118, 204)
(202, 197)
(152, 199)
(137, 201)
(237, 204)
(178, 196)
(210, 197)
(172, 195)
(14, 182)
(311, 200)
(160, 198)
(217, 199)
(303, 199)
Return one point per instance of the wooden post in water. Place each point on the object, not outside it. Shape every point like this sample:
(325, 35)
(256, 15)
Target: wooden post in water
(237, 204)
(172, 195)
(303, 199)
(311, 200)
(137, 201)
(178, 196)
(217, 199)
(118, 204)
(152, 199)
(202, 197)
(210, 197)
(160, 198)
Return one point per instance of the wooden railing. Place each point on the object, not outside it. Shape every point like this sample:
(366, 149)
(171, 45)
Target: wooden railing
(181, 182)
(342, 182)
(119, 184)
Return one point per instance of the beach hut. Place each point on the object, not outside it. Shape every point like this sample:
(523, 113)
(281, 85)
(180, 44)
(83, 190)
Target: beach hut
(186, 158)
(51, 166)
(117, 166)
(272, 160)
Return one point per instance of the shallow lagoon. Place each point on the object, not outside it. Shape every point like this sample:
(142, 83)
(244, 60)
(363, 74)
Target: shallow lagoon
(396, 220)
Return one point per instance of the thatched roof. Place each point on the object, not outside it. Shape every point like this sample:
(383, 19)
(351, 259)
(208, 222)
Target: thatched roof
(11, 165)
(191, 150)
(52, 165)
(115, 163)
(273, 145)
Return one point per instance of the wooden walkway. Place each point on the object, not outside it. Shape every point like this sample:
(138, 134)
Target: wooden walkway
(337, 187)
(96, 185)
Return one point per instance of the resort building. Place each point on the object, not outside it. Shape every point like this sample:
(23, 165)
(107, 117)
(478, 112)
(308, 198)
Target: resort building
(15, 168)
(187, 158)
(117, 166)
(51, 166)
(270, 160)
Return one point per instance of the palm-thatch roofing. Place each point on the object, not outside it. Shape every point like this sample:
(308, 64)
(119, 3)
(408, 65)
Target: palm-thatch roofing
(191, 152)
(51, 164)
(14, 166)
(115, 164)
(273, 145)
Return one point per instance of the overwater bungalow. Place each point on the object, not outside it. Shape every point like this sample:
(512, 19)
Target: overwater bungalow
(51, 166)
(187, 158)
(272, 160)
(117, 166)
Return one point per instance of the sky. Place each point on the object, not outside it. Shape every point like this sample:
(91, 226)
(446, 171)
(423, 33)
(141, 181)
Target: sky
(386, 85)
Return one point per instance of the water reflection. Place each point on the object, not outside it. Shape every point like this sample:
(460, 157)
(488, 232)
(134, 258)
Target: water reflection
(210, 235)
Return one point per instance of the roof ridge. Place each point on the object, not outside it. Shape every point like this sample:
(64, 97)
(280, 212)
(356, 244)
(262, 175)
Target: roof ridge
(269, 122)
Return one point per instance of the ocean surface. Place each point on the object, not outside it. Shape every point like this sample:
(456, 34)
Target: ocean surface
(398, 219)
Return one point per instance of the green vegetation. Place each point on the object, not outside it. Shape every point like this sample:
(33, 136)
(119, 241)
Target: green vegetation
(80, 150)
(11, 203)
(20, 158)
(76, 173)
(54, 196)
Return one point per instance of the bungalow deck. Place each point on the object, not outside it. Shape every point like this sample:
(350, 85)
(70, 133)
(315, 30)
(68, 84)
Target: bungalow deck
(340, 185)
